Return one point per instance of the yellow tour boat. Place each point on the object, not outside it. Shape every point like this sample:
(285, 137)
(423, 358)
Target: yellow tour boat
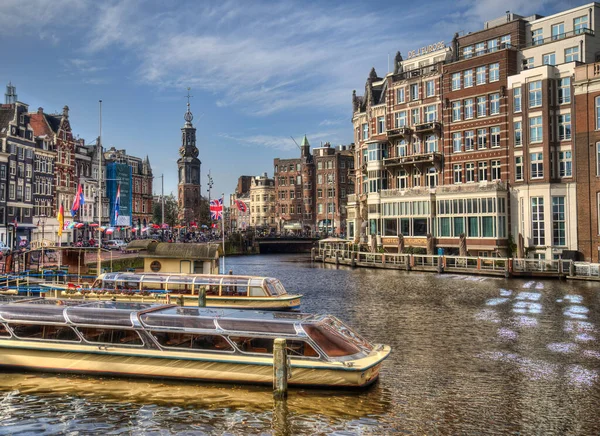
(185, 343)
(225, 291)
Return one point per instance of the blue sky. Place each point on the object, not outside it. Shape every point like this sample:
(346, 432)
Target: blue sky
(260, 72)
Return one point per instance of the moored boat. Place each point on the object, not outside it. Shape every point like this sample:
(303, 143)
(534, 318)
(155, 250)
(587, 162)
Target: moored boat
(235, 291)
(173, 342)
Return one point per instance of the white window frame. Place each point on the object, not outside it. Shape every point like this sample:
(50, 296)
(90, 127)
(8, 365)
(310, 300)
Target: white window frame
(456, 111)
(457, 142)
(468, 78)
(469, 109)
(480, 75)
(494, 104)
(536, 132)
(519, 169)
(455, 81)
(494, 72)
(537, 165)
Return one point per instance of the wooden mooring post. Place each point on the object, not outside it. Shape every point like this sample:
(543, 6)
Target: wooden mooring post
(202, 297)
(280, 369)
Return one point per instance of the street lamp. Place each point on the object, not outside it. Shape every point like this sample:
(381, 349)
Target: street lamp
(42, 221)
(210, 185)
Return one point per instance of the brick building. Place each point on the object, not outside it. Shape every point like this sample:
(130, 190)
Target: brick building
(587, 159)
(312, 190)
(505, 168)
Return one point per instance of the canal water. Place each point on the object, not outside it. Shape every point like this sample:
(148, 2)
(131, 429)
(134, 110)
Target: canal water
(471, 355)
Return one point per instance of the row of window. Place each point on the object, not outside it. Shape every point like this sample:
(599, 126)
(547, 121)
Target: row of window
(565, 165)
(479, 76)
(483, 47)
(469, 140)
(472, 226)
(482, 169)
(471, 107)
(429, 112)
(580, 25)
(416, 92)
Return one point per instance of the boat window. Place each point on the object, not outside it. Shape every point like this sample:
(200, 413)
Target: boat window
(47, 332)
(347, 332)
(257, 326)
(4, 333)
(235, 287)
(110, 336)
(275, 287)
(331, 342)
(129, 277)
(300, 348)
(192, 341)
(253, 345)
(256, 289)
(188, 322)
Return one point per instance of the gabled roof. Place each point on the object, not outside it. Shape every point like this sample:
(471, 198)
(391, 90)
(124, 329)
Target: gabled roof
(44, 124)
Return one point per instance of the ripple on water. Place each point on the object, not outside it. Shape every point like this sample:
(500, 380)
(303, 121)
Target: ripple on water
(531, 296)
(507, 334)
(496, 301)
(527, 307)
(524, 321)
(578, 312)
(562, 347)
(580, 376)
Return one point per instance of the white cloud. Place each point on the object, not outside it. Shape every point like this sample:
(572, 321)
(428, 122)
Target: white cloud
(283, 143)
(263, 58)
(37, 16)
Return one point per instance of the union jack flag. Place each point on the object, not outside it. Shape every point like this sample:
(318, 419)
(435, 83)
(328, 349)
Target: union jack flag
(216, 209)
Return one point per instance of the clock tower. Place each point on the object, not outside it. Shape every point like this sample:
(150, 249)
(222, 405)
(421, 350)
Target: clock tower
(188, 165)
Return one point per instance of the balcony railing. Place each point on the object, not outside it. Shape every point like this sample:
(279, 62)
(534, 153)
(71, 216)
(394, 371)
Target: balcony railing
(418, 72)
(413, 159)
(427, 127)
(400, 131)
(570, 34)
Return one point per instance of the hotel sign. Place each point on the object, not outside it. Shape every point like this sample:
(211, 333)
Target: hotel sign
(427, 49)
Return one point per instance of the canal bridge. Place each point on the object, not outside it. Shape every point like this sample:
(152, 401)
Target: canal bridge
(285, 244)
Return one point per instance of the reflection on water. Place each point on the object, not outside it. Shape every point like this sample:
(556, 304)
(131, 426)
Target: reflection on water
(471, 355)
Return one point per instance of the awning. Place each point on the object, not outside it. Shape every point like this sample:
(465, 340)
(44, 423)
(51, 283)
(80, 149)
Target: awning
(293, 226)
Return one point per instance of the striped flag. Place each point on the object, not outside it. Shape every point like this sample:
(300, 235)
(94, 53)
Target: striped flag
(78, 201)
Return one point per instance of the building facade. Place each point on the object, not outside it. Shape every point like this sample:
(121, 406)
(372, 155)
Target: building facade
(333, 168)
(294, 190)
(262, 203)
(240, 205)
(18, 146)
(475, 138)
(312, 190)
(587, 159)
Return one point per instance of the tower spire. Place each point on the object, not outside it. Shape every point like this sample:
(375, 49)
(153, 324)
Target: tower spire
(188, 117)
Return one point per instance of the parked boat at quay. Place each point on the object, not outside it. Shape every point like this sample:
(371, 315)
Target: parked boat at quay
(173, 342)
(243, 292)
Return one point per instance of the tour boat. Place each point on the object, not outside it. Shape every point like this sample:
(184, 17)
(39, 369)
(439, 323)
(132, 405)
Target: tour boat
(186, 343)
(226, 291)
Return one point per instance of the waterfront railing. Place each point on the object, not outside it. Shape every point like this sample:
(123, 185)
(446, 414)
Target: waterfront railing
(465, 264)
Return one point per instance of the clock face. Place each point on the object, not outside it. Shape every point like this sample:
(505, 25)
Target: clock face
(195, 151)
(182, 151)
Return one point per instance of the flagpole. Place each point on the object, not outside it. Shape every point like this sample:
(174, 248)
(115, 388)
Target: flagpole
(99, 253)
(223, 228)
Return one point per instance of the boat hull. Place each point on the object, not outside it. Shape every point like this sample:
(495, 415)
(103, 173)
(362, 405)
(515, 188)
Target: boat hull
(288, 302)
(157, 364)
